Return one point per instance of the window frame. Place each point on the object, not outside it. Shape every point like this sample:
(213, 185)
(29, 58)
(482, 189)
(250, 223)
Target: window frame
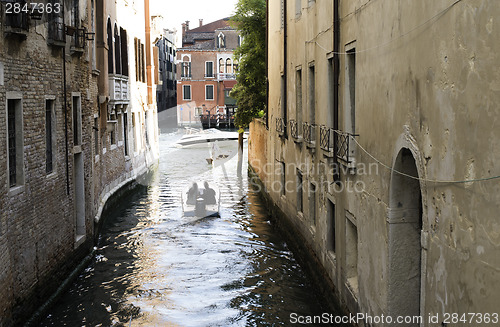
(184, 92)
(207, 86)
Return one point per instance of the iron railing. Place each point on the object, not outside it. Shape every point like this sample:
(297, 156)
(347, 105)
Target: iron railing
(309, 133)
(280, 125)
(294, 129)
(79, 38)
(345, 146)
(327, 139)
(17, 22)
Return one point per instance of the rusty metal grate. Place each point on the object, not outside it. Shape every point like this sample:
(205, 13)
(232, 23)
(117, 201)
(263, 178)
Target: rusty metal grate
(79, 38)
(280, 125)
(309, 132)
(326, 138)
(344, 145)
(294, 129)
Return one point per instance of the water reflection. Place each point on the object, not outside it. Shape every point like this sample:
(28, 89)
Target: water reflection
(155, 268)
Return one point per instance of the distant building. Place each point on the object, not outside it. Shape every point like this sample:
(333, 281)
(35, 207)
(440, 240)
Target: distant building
(76, 125)
(165, 75)
(206, 74)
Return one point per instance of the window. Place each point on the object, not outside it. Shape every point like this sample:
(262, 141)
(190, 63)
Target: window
(77, 120)
(186, 67)
(300, 193)
(110, 48)
(312, 95)
(229, 66)
(298, 97)
(330, 88)
(15, 142)
(312, 202)
(16, 19)
(140, 70)
(96, 135)
(351, 239)
(209, 92)
(331, 226)
(56, 35)
(50, 140)
(124, 52)
(186, 92)
(221, 66)
(221, 40)
(282, 97)
(118, 60)
(351, 90)
(209, 69)
(283, 178)
(350, 99)
(125, 132)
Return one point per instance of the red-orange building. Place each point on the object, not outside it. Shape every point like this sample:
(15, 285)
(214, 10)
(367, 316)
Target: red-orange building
(207, 72)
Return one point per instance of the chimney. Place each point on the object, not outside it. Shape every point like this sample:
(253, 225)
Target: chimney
(201, 22)
(185, 28)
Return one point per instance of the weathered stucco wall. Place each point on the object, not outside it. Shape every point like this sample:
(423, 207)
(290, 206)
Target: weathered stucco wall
(419, 83)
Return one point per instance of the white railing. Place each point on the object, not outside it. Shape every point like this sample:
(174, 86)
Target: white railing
(225, 76)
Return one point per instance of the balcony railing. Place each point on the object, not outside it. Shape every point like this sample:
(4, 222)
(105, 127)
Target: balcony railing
(79, 39)
(294, 129)
(327, 140)
(16, 23)
(225, 76)
(309, 133)
(345, 146)
(118, 88)
(280, 125)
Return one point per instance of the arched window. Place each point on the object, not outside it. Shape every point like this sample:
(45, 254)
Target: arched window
(221, 66)
(186, 67)
(110, 48)
(221, 40)
(118, 60)
(229, 66)
(235, 65)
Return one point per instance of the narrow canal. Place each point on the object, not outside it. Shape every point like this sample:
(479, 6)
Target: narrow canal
(156, 268)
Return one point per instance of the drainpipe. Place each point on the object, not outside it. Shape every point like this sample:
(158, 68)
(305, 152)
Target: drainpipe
(149, 67)
(285, 68)
(336, 76)
(267, 64)
(65, 105)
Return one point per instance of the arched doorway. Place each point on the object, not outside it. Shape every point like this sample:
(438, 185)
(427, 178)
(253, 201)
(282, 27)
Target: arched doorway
(404, 231)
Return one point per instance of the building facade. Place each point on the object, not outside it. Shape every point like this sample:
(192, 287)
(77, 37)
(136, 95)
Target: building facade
(76, 125)
(382, 151)
(166, 93)
(207, 73)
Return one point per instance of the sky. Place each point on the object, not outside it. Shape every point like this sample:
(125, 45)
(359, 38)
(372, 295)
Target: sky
(176, 12)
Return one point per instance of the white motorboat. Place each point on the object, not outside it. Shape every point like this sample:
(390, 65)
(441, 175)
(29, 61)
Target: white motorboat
(203, 138)
(201, 202)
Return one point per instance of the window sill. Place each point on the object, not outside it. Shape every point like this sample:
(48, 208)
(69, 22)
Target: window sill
(52, 175)
(113, 146)
(16, 190)
(79, 239)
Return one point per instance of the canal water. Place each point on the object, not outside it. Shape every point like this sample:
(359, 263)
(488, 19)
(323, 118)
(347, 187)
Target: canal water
(154, 267)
